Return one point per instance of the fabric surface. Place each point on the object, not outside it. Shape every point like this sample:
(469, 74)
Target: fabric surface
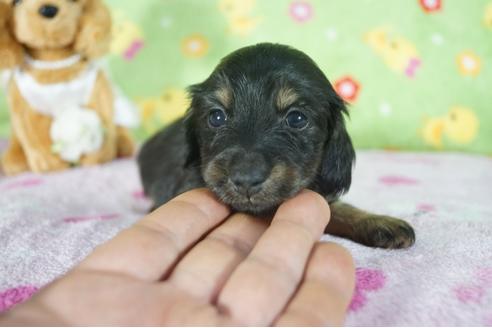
(49, 223)
(417, 72)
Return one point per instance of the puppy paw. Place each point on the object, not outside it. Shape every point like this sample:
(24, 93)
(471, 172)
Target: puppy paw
(385, 232)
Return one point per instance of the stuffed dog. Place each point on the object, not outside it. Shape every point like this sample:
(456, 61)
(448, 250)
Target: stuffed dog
(63, 108)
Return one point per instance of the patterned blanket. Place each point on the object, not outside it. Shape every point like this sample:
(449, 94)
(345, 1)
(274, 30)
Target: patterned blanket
(49, 223)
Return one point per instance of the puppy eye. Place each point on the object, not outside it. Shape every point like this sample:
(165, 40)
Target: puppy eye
(16, 2)
(296, 120)
(217, 118)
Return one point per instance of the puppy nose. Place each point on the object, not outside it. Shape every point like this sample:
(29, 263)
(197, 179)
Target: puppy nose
(248, 174)
(48, 11)
(248, 181)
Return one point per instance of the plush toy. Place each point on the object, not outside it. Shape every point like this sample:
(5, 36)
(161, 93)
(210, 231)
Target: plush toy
(63, 108)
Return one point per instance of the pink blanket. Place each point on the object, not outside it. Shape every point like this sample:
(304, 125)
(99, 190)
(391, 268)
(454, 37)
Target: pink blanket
(49, 223)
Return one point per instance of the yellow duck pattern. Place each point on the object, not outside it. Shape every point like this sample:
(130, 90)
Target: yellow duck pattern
(398, 53)
(164, 109)
(239, 14)
(127, 37)
(487, 18)
(400, 65)
(460, 126)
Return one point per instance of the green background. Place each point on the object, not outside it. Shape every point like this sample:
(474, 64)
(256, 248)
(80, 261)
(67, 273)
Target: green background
(391, 109)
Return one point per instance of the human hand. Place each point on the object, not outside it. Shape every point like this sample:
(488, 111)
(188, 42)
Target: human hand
(185, 264)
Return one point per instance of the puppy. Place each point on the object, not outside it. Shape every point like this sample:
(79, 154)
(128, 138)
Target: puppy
(266, 124)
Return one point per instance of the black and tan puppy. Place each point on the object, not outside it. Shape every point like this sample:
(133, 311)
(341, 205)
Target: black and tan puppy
(265, 125)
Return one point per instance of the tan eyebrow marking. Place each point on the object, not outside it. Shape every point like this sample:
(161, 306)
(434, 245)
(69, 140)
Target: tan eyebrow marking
(224, 95)
(286, 96)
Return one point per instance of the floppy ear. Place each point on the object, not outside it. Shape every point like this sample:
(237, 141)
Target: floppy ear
(94, 36)
(193, 156)
(335, 175)
(11, 52)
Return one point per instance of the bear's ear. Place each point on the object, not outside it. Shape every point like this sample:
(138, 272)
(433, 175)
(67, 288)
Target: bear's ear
(11, 52)
(94, 36)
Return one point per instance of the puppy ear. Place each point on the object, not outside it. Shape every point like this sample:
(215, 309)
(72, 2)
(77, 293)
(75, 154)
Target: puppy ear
(11, 52)
(193, 156)
(335, 175)
(94, 36)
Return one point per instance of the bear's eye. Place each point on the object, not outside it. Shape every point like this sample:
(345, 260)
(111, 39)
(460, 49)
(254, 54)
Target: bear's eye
(16, 2)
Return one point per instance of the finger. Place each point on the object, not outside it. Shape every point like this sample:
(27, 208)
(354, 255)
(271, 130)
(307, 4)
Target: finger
(326, 291)
(149, 249)
(179, 309)
(204, 270)
(262, 285)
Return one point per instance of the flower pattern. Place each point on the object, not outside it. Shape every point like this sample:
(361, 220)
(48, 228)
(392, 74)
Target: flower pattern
(195, 46)
(402, 69)
(468, 63)
(366, 280)
(14, 296)
(301, 11)
(348, 88)
(430, 6)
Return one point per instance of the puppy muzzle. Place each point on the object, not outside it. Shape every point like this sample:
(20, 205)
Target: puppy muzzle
(247, 172)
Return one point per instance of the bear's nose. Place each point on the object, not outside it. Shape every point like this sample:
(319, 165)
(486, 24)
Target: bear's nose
(48, 11)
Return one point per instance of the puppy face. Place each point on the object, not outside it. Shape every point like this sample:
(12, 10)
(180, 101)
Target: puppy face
(46, 23)
(263, 126)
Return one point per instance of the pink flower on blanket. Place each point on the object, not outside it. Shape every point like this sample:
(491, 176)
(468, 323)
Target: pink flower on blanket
(102, 217)
(469, 294)
(485, 277)
(366, 280)
(474, 292)
(394, 180)
(23, 183)
(14, 296)
(425, 207)
(488, 321)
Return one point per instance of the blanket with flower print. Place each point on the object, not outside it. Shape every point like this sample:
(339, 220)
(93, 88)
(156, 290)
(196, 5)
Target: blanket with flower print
(49, 223)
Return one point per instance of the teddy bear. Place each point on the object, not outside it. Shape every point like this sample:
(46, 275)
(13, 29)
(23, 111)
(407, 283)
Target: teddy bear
(64, 110)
